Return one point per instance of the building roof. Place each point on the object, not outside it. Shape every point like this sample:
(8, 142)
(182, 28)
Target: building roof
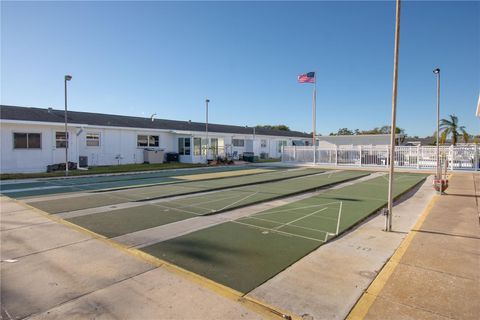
(111, 120)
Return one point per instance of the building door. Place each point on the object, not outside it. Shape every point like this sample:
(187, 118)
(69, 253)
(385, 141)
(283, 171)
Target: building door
(249, 145)
(59, 145)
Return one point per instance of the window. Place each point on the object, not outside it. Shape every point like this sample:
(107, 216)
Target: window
(153, 141)
(184, 146)
(280, 145)
(27, 140)
(60, 141)
(148, 141)
(263, 143)
(238, 142)
(93, 139)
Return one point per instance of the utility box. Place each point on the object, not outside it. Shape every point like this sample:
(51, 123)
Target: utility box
(153, 156)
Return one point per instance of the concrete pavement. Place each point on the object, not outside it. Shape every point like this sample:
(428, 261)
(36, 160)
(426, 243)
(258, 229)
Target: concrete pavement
(49, 270)
(435, 273)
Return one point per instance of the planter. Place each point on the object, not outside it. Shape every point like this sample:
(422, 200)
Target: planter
(443, 182)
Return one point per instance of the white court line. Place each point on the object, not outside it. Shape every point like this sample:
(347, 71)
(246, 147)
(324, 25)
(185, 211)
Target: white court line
(292, 209)
(175, 209)
(298, 219)
(324, 218)
(339, 216)
(244, 198)
(197, 203)
(278, 231)
(292, 225)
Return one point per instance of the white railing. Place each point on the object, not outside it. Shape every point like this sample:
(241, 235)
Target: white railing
(420, 157)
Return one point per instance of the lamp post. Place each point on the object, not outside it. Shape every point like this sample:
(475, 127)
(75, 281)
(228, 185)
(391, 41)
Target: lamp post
(67, 78)
(436, 71)
(206, 128)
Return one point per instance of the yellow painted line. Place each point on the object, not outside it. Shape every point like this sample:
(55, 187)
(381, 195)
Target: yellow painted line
(214, 175)
(265, 310)
(279, 312)
(363, 305)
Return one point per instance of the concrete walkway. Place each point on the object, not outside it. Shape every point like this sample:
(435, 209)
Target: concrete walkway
(435, 273)
(49, 270)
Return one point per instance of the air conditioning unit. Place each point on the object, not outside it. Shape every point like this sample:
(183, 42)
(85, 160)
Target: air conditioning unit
(153, 155)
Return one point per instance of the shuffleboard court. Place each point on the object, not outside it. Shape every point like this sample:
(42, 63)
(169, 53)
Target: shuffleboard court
(162, 191)
(214, 175)
(76, 184)
(119, 222)
(245, 253)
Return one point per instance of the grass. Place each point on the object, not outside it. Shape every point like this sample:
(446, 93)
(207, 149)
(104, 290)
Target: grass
(103, 169)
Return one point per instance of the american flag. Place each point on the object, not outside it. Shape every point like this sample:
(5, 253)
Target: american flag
(307, 77)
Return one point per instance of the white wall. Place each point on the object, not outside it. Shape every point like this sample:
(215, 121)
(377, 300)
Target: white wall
(32, 160)
(354, 140)
(117, 145)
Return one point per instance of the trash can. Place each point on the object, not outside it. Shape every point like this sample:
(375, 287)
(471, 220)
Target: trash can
(172, 157)
(248, 156)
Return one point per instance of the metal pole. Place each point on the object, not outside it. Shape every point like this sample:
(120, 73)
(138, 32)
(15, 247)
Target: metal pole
(206, 129)
(388, 222)
(67, 78)
(314, 118)
(439, 168)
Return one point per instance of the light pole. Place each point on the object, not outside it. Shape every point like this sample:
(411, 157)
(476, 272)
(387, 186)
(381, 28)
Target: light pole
(67, 78)
(436, 71)
(206, 128)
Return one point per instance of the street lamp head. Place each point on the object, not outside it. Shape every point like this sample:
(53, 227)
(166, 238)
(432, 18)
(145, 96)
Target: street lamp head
(436, 70)
(207, 100)
(68, 77)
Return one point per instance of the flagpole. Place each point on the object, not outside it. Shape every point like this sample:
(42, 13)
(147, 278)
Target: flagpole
(388, 221)
(314, 118)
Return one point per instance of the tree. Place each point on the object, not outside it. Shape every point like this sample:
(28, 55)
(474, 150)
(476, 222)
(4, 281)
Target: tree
(450, 128)
(281, 127)
(342, 132)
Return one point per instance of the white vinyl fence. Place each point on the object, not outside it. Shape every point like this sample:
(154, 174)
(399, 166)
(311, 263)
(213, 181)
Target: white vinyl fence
(458, 157)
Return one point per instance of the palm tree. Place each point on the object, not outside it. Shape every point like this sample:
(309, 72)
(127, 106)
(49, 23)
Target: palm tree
(452, 129)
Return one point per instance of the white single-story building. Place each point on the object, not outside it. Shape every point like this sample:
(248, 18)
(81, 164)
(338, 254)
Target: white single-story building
(351, 141)
(32, 138)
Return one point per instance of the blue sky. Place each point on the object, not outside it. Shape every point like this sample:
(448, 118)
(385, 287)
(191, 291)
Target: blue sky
(139, 58)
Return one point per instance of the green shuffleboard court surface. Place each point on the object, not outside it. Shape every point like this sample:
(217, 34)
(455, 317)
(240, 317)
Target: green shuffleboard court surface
(245, 253)
(122, 221)
(162, 191)
(86, 183)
